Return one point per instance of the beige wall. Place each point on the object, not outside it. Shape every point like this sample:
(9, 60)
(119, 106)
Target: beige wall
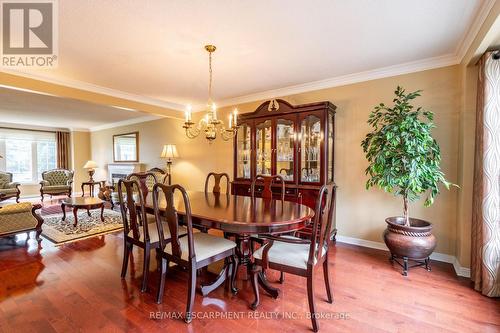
(80, 154)
(361, 213)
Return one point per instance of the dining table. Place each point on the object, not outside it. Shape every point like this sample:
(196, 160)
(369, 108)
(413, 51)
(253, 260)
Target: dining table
(241, 217)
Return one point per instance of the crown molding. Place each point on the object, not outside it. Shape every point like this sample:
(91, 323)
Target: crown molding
(78, 129)
(474, 28)
(389, 71)
(125, 122)
(27, 126)
(99, 90)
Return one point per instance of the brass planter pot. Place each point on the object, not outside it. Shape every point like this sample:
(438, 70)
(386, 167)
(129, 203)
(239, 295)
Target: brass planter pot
(415, 242)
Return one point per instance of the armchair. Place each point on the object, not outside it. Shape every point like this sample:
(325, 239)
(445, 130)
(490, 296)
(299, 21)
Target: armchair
(20, 217)
(56, 181)
(8, 189)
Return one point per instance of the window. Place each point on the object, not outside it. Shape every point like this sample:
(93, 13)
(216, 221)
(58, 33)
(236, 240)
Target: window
(27, 154)
(46, 156)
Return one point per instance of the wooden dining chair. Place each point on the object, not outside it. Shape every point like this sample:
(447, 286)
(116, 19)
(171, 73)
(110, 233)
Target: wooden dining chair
(268, 181)
(301, 256)
(217, 180)
(267, 193)
(145, 235)
(192, 250)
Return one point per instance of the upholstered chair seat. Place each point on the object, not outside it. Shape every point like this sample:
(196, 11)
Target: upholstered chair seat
(20, 217)
(288, 254)
(8, 188)
(57, 181)
(205, 246)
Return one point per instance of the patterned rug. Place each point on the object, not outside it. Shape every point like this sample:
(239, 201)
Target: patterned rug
(60, 232)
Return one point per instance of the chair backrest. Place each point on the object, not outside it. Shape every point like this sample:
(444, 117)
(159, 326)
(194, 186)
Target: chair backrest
(146, 181)
(161, 176)
(217, 180)
(130, 195)
(5, 178)
(57, 176)
(267, 192)
(170, 214)
(324, 216)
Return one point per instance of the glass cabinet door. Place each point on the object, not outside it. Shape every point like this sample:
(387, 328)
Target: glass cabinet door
(263, 147)
(285, 148)
(243, 156)
(310, 149)
(330, 146)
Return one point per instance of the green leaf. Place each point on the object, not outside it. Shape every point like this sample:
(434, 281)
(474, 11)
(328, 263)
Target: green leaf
(403, 157)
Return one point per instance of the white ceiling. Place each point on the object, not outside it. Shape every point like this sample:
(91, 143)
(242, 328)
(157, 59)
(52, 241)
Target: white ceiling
(27, 108)
(154, 49)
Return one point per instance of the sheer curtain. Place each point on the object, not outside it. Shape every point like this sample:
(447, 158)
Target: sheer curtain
(485, 268)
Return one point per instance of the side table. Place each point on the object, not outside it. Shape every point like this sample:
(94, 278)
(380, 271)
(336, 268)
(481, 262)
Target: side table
(91, 186)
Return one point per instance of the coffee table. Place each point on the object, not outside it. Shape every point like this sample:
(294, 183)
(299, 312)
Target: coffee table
(87, 203)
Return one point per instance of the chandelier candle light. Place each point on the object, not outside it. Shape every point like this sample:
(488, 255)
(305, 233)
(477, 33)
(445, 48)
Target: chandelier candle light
(210, 124)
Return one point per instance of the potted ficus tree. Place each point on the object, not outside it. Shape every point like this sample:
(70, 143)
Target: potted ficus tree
(404, 159)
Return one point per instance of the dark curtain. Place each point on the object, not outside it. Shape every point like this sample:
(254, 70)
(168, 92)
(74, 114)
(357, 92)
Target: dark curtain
(62, 143)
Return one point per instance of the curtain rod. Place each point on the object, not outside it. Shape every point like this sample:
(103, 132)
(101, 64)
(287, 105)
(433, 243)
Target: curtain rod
(32, 130)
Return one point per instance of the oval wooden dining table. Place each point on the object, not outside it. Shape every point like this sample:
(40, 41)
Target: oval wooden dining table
(240, 216)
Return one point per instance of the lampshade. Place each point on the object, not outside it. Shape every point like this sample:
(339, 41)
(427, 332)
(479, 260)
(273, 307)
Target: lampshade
(90, 165)
(169, 151)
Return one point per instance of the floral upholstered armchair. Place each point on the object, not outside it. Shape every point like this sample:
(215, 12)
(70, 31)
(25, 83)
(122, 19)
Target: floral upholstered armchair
(8, 189)
(20, 217)
(57, 181)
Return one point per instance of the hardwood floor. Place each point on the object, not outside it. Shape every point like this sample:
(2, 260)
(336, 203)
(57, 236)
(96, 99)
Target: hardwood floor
(77, 287)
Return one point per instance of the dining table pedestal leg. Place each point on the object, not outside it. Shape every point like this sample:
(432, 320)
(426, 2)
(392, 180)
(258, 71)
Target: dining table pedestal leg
(244, 254)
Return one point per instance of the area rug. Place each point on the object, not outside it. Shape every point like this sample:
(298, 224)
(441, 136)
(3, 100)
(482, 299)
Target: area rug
(60, 232)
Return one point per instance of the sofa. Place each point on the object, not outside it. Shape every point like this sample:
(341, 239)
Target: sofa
(20, 217)
(8, 189)
(56, 181)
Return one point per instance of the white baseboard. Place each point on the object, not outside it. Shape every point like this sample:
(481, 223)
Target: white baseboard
(459, 270)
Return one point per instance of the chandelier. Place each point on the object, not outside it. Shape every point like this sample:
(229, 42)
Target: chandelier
(210, 124)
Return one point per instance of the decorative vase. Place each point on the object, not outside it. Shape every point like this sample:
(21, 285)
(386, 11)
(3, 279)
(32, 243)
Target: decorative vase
(415, 242)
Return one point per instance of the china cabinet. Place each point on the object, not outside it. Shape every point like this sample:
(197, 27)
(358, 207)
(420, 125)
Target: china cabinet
(295, 142)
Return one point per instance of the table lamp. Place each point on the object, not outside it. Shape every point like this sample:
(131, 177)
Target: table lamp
(169, 152)
(91, 166)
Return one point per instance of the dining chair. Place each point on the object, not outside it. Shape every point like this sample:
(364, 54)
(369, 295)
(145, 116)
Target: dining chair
(143, 235)
(268, 181)
(301, 256)
(192, 250)
(217, 180)
(267, 193)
